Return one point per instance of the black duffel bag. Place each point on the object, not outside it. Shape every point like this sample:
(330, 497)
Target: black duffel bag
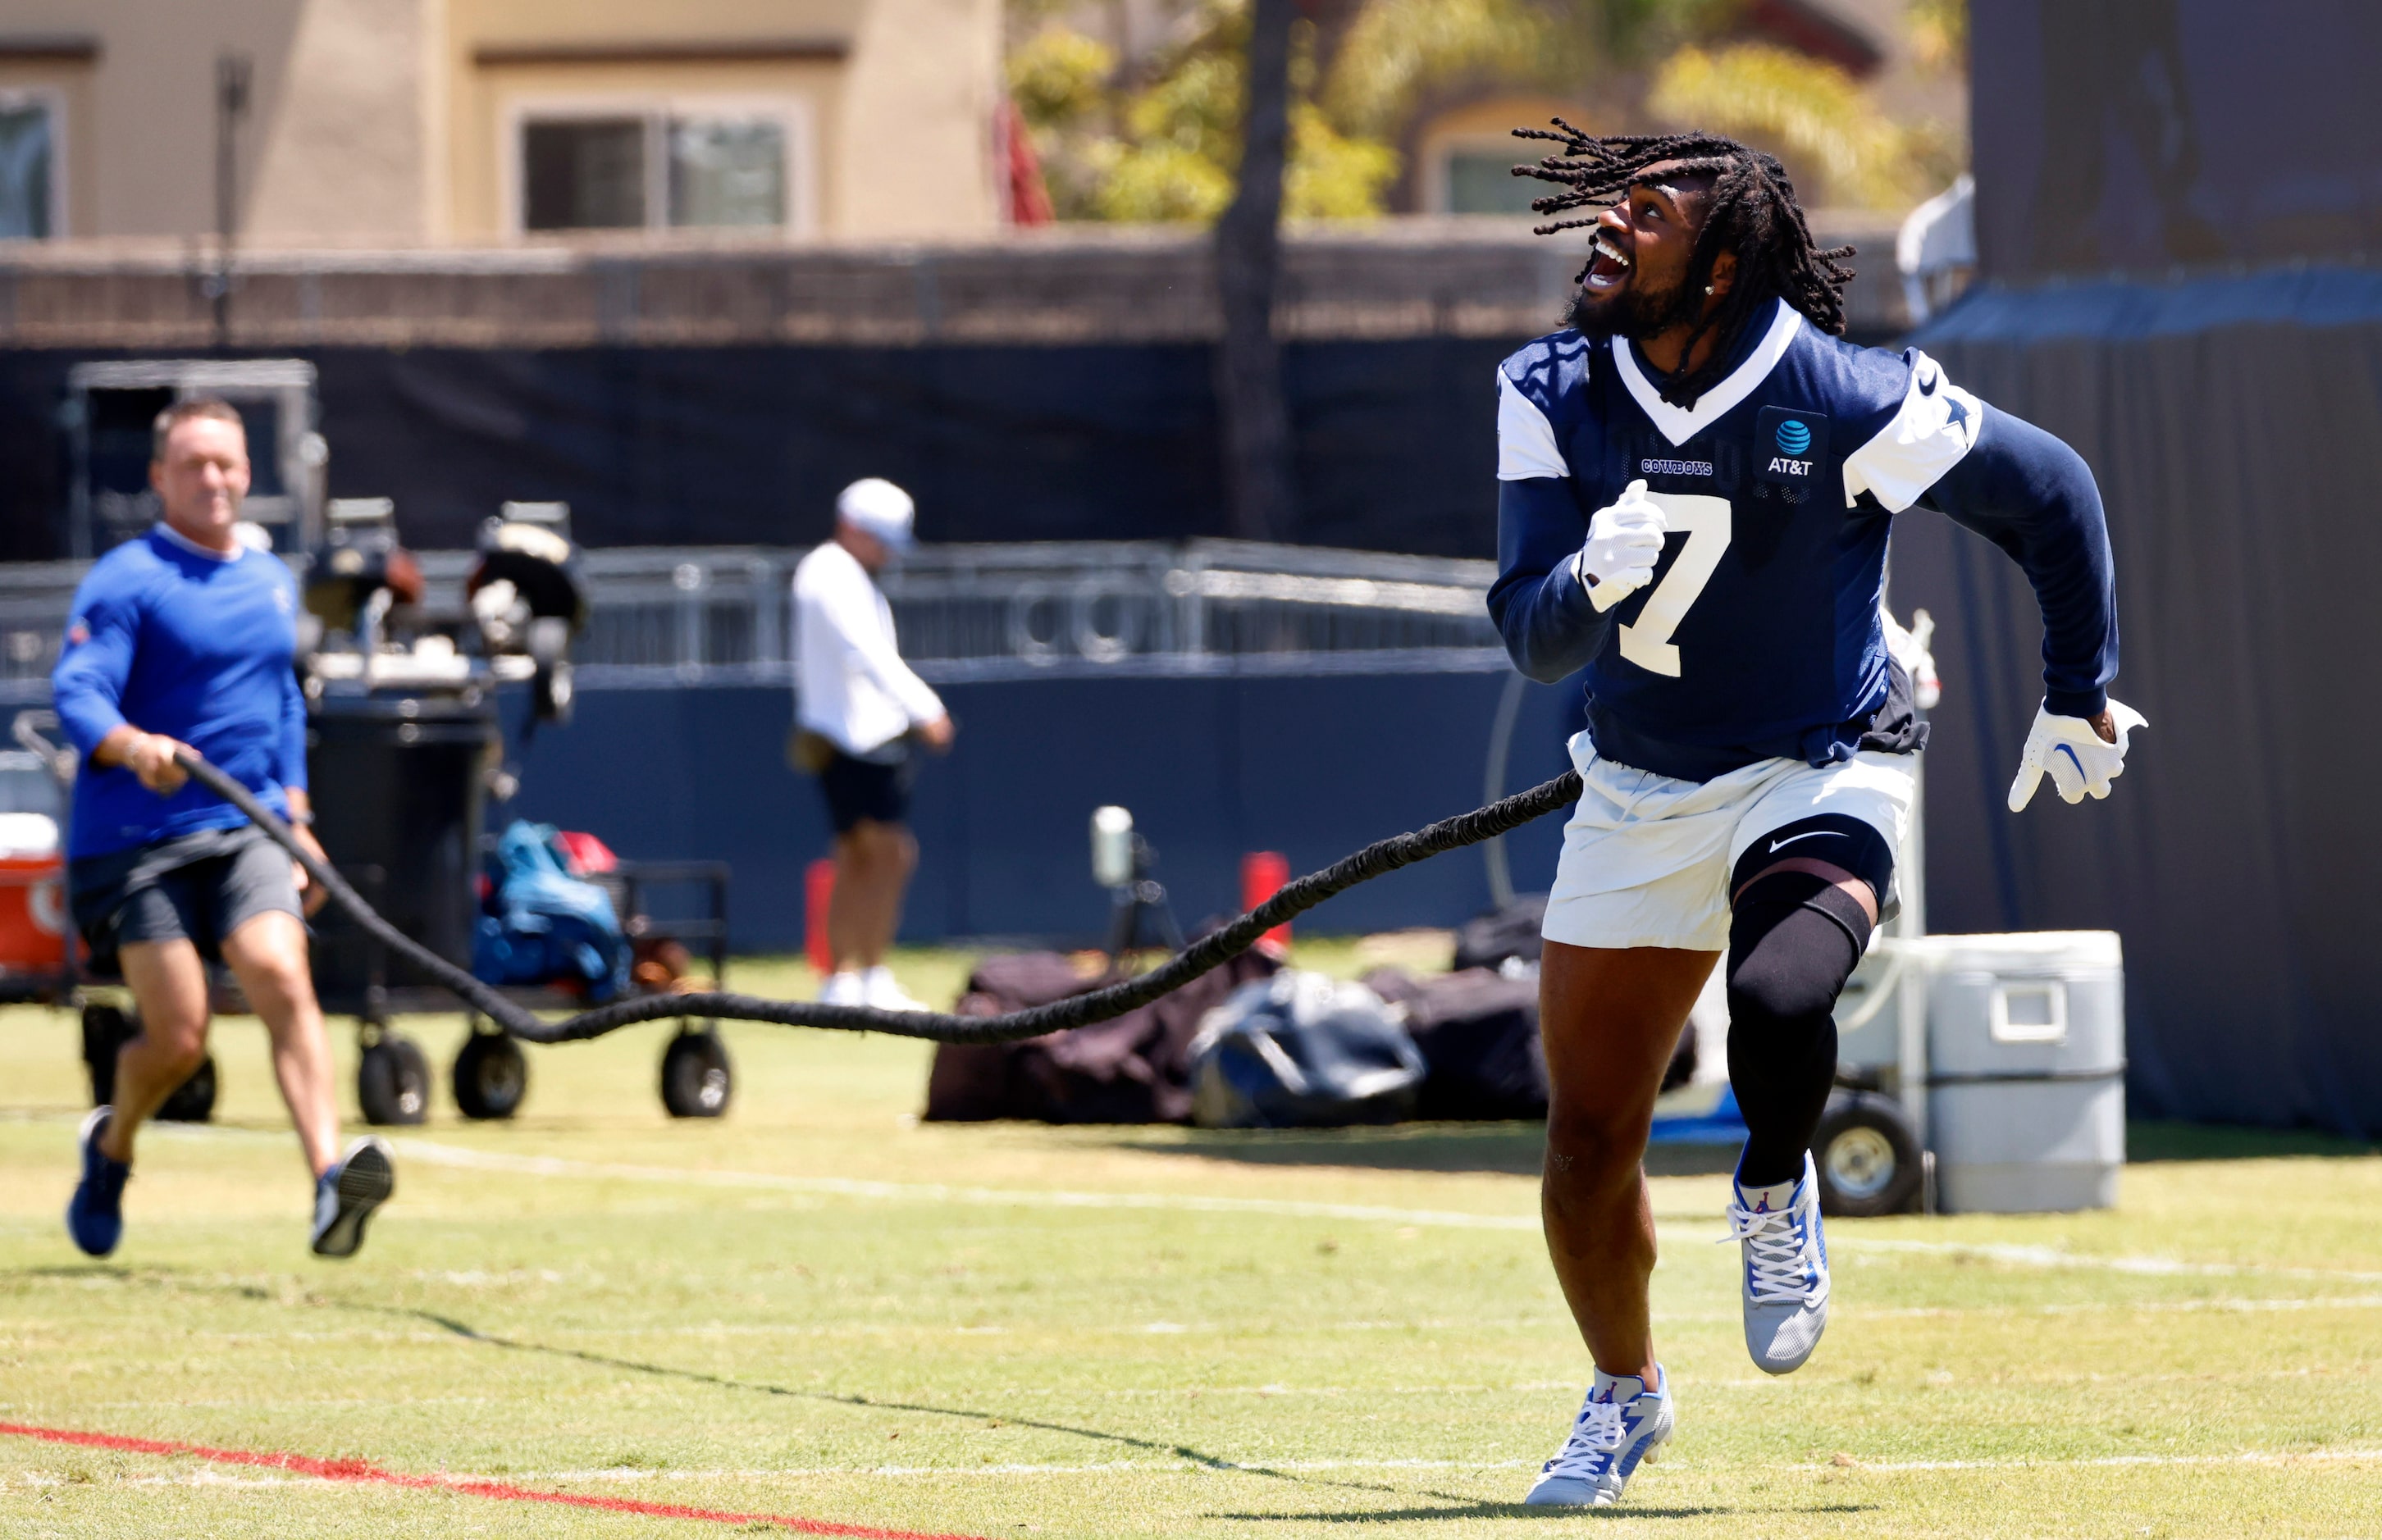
(1131, 1069)
(1479, 1034)
(1501, 936)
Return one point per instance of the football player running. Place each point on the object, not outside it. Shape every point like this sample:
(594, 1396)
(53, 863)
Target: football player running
(1697, 477)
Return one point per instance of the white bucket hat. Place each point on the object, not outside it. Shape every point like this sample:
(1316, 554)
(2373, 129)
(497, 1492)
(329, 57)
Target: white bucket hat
(877, 506)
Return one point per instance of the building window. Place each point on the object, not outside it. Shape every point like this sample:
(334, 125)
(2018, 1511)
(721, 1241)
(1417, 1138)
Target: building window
(28, 172)
(1482, 181)
(589, 175)
(694, 169)
(726, 171)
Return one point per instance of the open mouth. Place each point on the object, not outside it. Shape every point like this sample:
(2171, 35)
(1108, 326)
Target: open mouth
(1609, 269)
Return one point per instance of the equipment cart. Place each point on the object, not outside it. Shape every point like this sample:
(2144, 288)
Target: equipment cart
(490, 1075)
(405, 750)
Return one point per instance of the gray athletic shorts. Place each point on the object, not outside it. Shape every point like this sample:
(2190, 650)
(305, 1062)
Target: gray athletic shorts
(197, 887)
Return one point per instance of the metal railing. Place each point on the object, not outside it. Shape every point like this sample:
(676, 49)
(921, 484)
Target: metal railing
(665, 617)
(34, 598)
(662, 617)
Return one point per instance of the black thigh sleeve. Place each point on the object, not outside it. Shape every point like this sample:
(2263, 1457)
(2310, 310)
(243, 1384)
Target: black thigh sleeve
(1839, 839)
(1794, 938)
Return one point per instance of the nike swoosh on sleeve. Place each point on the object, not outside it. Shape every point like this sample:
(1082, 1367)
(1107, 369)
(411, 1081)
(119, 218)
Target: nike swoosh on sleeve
(1777, 845)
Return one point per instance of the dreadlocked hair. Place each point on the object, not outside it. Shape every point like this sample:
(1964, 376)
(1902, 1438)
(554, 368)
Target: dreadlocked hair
(1750, 210)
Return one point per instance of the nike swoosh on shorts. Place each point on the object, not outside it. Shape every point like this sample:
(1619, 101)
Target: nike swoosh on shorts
(1778, 845)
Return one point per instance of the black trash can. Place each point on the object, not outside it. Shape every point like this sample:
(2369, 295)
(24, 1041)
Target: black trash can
(396, 783)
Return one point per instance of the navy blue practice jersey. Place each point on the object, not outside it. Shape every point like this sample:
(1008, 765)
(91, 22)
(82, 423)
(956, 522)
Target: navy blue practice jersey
(1759, 635)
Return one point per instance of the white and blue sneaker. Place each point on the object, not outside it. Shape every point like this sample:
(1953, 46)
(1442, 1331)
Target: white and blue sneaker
(1785, 1270)
(1620, 1425)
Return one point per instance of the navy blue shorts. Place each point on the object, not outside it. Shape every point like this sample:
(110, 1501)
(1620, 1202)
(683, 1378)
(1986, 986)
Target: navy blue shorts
(859, 788)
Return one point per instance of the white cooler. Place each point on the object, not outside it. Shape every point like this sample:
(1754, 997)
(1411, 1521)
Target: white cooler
(2026, 1064)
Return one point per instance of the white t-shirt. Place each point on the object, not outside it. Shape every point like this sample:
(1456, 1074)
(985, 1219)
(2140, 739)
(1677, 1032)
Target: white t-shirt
(851, 686)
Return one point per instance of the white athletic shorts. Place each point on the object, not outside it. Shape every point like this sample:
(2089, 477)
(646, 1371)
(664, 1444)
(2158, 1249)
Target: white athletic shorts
(1646, 858)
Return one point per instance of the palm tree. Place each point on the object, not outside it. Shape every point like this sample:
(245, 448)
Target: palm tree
(1257, 481)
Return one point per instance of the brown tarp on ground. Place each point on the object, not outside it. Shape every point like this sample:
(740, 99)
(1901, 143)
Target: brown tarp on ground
(2235, 426)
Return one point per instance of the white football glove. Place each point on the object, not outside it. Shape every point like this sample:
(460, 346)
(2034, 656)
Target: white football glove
(1624, 539)
(2080, 764)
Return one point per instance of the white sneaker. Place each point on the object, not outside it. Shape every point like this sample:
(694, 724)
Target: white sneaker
(879, 990)
(847, 988)
(1620, 1425)
(1785, 1270)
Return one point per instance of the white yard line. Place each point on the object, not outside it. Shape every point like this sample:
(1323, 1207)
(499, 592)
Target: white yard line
(2116, 1462)
(455, 1156)
(458, 1157)
(2047, 1256)
(436, 1154)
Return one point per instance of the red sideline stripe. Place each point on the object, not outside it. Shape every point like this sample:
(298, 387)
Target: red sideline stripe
(362, 1470)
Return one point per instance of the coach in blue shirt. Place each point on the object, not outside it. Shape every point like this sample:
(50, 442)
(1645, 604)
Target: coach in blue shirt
(181, 642)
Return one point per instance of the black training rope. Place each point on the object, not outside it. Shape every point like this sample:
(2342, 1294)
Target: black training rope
(1077, 1010)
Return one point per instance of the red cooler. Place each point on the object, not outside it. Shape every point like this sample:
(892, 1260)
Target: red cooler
(32, 896)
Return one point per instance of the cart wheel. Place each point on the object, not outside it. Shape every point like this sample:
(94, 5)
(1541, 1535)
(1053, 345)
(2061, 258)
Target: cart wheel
(697, 1079)
(193, 1101)
(392, 1082)
(1866, 1154)
(491, 1076)
(105, 1029)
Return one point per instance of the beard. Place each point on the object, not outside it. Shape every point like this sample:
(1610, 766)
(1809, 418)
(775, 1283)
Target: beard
(1635, 312)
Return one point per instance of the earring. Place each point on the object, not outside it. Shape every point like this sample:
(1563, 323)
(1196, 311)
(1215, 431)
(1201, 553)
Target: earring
(1708, 288)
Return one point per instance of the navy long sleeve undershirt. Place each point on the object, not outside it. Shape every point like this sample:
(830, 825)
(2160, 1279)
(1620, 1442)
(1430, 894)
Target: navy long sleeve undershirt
(1549, 627)
(2034, 498)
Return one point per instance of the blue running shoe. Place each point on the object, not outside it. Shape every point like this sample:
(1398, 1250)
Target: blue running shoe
(346, 1195)
(95, 1213)
(1621, 1425)
(1786, 1254)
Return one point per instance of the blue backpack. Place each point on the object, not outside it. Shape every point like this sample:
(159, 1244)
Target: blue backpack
(542, 925)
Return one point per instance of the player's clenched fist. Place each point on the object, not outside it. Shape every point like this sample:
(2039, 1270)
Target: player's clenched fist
(1624, 539)
(2071, 750)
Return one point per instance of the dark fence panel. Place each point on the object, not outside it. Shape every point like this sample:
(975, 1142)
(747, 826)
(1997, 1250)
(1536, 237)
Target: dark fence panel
(2236, 430)
(1211, 768)
(1395, 440)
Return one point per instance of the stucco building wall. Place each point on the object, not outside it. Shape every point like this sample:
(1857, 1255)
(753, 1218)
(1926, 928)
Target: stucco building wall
(397, 122)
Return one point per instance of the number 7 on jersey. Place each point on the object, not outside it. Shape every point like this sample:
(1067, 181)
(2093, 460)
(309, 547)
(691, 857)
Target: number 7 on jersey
(1705, 521)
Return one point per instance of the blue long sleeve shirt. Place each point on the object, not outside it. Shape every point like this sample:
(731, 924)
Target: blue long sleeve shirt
(175, 640)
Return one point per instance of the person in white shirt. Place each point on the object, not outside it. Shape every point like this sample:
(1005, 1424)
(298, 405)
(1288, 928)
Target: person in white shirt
(858, 707)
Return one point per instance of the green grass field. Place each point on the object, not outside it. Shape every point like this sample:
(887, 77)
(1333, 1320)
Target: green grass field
(817, 1307)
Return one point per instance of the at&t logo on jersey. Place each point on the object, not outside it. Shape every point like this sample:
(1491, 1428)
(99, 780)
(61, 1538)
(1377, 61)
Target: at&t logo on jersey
(1789, 444)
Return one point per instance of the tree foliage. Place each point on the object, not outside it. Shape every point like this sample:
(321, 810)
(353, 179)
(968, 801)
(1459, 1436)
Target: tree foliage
(1160, 143)
(1156, 139)
(1812, 114)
